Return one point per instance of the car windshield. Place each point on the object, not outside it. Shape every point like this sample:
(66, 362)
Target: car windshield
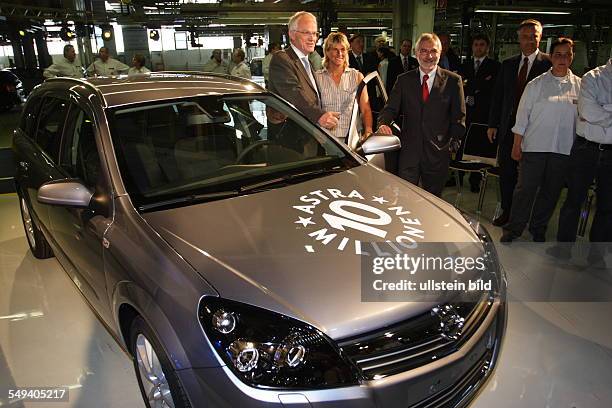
(169, 150)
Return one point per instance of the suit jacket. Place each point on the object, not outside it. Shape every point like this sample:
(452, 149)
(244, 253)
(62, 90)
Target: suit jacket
(502, 114)
(289, 79)
(427, 128)
(369, 65)
(396, 68)
(480, 86)
(454, 63)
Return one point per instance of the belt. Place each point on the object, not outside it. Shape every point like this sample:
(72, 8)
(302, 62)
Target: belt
(600, 146)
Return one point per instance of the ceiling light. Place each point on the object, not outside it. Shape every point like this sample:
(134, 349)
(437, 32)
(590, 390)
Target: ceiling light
(107, 33)
(519, 10)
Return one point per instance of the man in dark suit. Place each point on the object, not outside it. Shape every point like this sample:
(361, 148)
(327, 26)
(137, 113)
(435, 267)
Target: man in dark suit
(514, 74)
(400, 64)
(448, 59)
(433, 107)
(291, 74)
(358, 59)
(479, 74)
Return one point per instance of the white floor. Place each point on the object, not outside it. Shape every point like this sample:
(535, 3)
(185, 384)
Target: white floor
(555, 354)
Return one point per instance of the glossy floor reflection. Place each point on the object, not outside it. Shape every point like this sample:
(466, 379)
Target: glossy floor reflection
(48, 335)
(556, 354)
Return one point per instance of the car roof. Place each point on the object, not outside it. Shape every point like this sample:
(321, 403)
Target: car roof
(127, 90)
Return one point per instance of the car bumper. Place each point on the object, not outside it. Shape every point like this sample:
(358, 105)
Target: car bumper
(452, 381)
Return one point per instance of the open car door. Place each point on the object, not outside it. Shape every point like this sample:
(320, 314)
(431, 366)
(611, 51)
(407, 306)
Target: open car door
(372, 84)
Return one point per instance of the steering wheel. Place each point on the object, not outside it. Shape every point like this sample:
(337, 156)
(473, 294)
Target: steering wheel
(257, 145)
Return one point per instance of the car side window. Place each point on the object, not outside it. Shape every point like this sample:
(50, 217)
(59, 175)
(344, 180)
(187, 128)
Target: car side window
(79, 157)
(50, 126)
(29, 119)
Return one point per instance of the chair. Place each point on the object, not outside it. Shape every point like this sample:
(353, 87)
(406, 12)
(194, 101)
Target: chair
(586, 211)
(477, 158)
(494, 172)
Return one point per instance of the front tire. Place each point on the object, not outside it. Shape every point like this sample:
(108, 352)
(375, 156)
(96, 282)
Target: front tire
(158, 382)
(38, 243)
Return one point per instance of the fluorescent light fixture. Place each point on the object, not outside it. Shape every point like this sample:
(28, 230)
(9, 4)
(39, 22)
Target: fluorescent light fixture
(520, 10)
(367, 28)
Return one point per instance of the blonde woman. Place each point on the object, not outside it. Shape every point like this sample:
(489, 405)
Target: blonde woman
(338, 87)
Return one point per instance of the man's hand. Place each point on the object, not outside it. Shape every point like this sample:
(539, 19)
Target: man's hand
(384, 130)
(517, 152)
(491, 134)
(329, 120)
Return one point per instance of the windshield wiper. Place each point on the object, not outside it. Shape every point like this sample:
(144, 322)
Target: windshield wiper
(191, 199)
(286, 179)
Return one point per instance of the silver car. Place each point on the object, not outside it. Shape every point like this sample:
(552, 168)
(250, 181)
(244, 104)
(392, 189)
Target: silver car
(220, 236)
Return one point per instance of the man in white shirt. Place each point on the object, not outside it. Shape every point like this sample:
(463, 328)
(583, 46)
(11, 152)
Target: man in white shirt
(216, 64)
(240, 68)
(591, 158)
(273, 47)
(106, 66)
(66, 67)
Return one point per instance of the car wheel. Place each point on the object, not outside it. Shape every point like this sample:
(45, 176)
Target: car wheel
(159, 383)
(37, 241)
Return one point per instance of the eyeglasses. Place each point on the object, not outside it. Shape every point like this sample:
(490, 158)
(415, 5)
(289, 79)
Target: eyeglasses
(308, 33)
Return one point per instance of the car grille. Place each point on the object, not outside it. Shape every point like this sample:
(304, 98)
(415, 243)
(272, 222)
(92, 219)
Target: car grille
(414, 342)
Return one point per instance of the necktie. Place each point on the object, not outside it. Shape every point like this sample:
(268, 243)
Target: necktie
(521, 81)
(476, 66)
(406, 65)
(306, 64)
(425, 88)
(359, 62)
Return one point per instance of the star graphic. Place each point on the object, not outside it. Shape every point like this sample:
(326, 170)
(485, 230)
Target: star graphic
(305, 221)
(379, 200)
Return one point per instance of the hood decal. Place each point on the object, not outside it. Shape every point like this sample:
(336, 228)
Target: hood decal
(328, 215)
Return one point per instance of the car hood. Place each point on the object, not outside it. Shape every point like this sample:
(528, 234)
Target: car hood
(277, 249)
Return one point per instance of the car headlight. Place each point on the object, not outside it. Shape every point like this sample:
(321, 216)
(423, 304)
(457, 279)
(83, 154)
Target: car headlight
(494, 268)
(268, 349)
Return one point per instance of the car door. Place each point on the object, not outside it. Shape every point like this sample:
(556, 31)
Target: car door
(80, 231)
(373, 85)
(37, 143)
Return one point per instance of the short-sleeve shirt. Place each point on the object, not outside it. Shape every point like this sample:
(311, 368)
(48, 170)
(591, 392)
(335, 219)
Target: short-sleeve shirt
(338, 98)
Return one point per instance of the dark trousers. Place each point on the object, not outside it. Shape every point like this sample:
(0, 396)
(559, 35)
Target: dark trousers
(508, 171)
(541, 176)
(587, 162)
(431, 176)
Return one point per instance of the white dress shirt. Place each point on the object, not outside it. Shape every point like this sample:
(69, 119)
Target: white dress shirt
(136, 71)
(64, 68)
(241, 70)
(216, 67)
(301, 56)
(430, 80)
(265, 66)
(595, 105)
(530, 58)
(547, 114)
(109, 68)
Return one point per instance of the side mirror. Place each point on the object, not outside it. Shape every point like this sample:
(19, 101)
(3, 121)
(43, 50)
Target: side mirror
(378, 143)
(67, 193)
